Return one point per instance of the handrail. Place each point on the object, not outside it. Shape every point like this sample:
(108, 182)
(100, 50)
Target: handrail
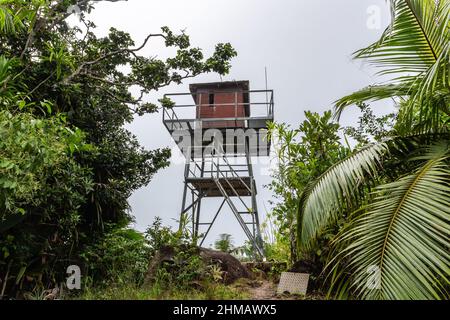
(221, 152)
(239, 218)
(200, 104)
(219, 91)
(220, 104)
(222, 119)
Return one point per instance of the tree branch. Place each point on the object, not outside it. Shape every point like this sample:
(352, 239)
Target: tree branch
(41, 83)
(79, 70)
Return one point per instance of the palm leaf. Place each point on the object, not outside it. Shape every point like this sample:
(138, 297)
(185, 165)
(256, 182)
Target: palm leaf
(373, 93)
(404, 234)
(10, 17)
(321, 202)
(413, 41)
(415, 49)
(7, 24)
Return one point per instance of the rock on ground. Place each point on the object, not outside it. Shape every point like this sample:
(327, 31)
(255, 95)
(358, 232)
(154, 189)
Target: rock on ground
(231, 267)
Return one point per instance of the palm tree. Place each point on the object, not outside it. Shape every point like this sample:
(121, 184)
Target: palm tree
(394, 196)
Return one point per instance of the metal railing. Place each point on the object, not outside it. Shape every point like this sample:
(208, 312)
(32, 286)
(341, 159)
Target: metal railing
(187, 113)
(217, 166)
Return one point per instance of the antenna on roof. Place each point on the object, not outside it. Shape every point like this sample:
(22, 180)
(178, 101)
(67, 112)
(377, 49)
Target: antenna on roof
(267, 97)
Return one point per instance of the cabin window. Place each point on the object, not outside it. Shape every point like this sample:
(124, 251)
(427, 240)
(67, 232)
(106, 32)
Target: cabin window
(211, 99)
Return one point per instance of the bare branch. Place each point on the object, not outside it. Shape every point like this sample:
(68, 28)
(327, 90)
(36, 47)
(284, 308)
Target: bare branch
(41, 83)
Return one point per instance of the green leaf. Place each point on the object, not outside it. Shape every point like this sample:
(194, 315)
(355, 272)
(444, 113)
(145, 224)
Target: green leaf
(20, 274)
(320, 203)
(415, 50)
(404, 234)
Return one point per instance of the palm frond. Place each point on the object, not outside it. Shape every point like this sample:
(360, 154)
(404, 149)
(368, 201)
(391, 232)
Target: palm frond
(7, 25)
(10, 19)
(321, 202)
(415, 48)
(373, 93)
(403, 237)
(413, 41)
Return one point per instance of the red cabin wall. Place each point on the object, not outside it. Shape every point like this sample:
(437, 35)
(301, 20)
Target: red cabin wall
(232, 107)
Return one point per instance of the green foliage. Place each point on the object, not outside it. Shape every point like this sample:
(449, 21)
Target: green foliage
(302, 154)
(115, 267)
(186, 267)
(119, 257)
(404, 231)
(279, 250)
(323, 203)
(371, 128)
(276, 245)
(186, 271)
(11, 19)
(159, 236)
(68, 164)
(224, 243)
(30, 151)
(415, 50)
(393, 195)
(42, 189)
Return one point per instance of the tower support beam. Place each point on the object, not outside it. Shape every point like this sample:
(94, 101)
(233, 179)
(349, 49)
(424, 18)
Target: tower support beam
(226, 179)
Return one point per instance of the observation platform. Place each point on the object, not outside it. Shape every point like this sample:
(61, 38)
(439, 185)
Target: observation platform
(233, 186)
(224, 115)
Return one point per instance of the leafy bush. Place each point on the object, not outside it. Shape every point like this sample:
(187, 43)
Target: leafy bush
(186, 265)
(31, 152)
(41, 190)
(224, 243)
(303, 154)
(120, 256)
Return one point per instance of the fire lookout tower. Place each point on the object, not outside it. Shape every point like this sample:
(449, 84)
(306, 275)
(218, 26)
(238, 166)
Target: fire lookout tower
(219, 127)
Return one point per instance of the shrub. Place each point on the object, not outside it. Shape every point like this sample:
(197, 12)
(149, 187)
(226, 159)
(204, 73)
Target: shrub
(41, 191)
(120, 256)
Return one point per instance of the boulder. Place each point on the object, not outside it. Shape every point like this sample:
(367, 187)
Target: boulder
(231, 267)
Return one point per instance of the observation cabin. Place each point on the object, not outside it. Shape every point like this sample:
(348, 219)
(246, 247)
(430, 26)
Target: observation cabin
(221, 106)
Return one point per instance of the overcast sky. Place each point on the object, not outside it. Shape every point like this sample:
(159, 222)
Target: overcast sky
(306, 46)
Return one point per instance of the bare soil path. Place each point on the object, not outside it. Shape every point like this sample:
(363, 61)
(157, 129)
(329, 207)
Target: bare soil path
(266, 291)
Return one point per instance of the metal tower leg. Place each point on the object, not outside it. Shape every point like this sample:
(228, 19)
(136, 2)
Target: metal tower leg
(197, 215)
(183, 202)
(257, 229)
(224, 178)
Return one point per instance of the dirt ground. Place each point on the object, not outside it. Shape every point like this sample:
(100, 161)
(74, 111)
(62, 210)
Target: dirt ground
(266, 291)
(261, 289)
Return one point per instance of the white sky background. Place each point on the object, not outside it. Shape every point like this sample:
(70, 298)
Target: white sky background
(306, 46)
